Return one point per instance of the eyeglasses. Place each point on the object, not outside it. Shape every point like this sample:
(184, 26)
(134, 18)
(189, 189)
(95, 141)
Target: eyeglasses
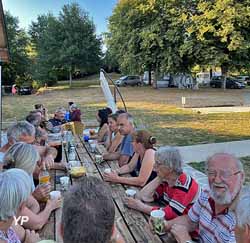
(224, 174)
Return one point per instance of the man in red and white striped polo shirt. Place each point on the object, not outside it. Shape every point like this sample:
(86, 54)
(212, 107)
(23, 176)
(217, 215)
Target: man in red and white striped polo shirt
(211, 212)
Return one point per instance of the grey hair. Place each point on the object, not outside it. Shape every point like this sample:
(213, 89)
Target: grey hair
(170, 157)
(23, 156)
(238, 161)
(15, 188)
(128, 116)
(60, 109)
(19, 129)
(242, 207)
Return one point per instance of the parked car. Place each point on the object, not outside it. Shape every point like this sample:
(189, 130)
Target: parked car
(129, 80)
(25, 90)
(243, 79)
(231, 83)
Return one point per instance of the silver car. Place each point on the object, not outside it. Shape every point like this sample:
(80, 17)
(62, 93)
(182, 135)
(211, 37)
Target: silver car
(129, 80)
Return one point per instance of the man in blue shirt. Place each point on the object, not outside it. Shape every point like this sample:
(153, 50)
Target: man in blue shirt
(126, 128)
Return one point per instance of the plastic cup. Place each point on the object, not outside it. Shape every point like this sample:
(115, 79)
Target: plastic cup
(55, 195)
(64, 182)
(93, 147)
(98, 158)
(107, 170)
(157, 219)
(130, 192)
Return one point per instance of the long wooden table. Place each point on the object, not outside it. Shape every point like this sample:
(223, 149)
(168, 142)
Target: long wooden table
(132, 224)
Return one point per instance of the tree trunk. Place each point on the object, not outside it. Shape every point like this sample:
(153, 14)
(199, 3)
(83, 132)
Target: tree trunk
(224, 71)
(149, 77)
(70, 78)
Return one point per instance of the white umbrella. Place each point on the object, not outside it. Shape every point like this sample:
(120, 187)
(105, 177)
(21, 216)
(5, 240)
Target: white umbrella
(107, 93)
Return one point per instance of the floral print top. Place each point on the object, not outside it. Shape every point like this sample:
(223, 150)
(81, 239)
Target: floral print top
(10, 236)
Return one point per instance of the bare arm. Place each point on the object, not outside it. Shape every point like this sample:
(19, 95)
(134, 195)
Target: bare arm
(115, 143)
(144, 174)
(147, 193)
(103, 131)
(128, 167)
(123, 160)
(37, 221)
(111, 156)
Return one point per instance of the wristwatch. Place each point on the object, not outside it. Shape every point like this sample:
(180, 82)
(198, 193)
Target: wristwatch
(189, 241)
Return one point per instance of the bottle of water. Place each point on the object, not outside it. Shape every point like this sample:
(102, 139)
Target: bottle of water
(72, 153)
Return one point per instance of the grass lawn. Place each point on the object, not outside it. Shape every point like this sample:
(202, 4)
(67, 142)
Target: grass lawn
(156, 110)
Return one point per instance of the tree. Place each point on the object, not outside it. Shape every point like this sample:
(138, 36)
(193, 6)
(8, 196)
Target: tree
(67, 43)
(80, 47)
(18, 42)
(222, 30)
(150, 35)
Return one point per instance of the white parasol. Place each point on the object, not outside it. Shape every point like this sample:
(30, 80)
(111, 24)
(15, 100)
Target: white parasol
(107, 93)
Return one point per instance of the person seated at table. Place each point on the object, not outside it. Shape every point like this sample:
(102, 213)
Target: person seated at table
(35, 118)
(175, 189)
(102, 118)
(15, 189)
(24, 156)
(211, 213)
(242, 229)
(125, 123)
(88, 213)
(25, 132)
(75, 113)
(141, 164)
(58, 120)
(114, 140)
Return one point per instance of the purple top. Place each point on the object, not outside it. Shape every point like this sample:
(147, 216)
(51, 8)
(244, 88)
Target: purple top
(11, 236)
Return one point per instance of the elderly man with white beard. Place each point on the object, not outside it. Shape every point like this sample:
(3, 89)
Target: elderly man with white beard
(211, 213)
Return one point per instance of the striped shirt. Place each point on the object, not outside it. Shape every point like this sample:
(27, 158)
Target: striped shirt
(212, 228)
(179, 198)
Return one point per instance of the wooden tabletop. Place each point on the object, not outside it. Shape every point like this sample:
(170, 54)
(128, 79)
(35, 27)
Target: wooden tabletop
(132, 225)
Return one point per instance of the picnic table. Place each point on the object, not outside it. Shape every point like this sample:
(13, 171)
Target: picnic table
(132, 225)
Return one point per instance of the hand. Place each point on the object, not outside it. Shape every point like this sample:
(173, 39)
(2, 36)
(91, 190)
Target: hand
(42, 191)
(112, 176)
(31, 236)
(133, 203)
(54, 203)
(180, 233)
(116, 237)
(48, 160)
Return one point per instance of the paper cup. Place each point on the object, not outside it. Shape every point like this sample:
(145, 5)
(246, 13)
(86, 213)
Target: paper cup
(93, 147)
(98, 158)
(157, 219)
(130, 192)
(107, 170)
(55, 194)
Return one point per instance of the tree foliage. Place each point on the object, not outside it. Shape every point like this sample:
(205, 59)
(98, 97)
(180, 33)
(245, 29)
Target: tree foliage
(176, 35)
(18, 41)
(67, 43)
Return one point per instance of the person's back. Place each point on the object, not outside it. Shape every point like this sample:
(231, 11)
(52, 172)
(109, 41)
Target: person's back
(88, 212)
